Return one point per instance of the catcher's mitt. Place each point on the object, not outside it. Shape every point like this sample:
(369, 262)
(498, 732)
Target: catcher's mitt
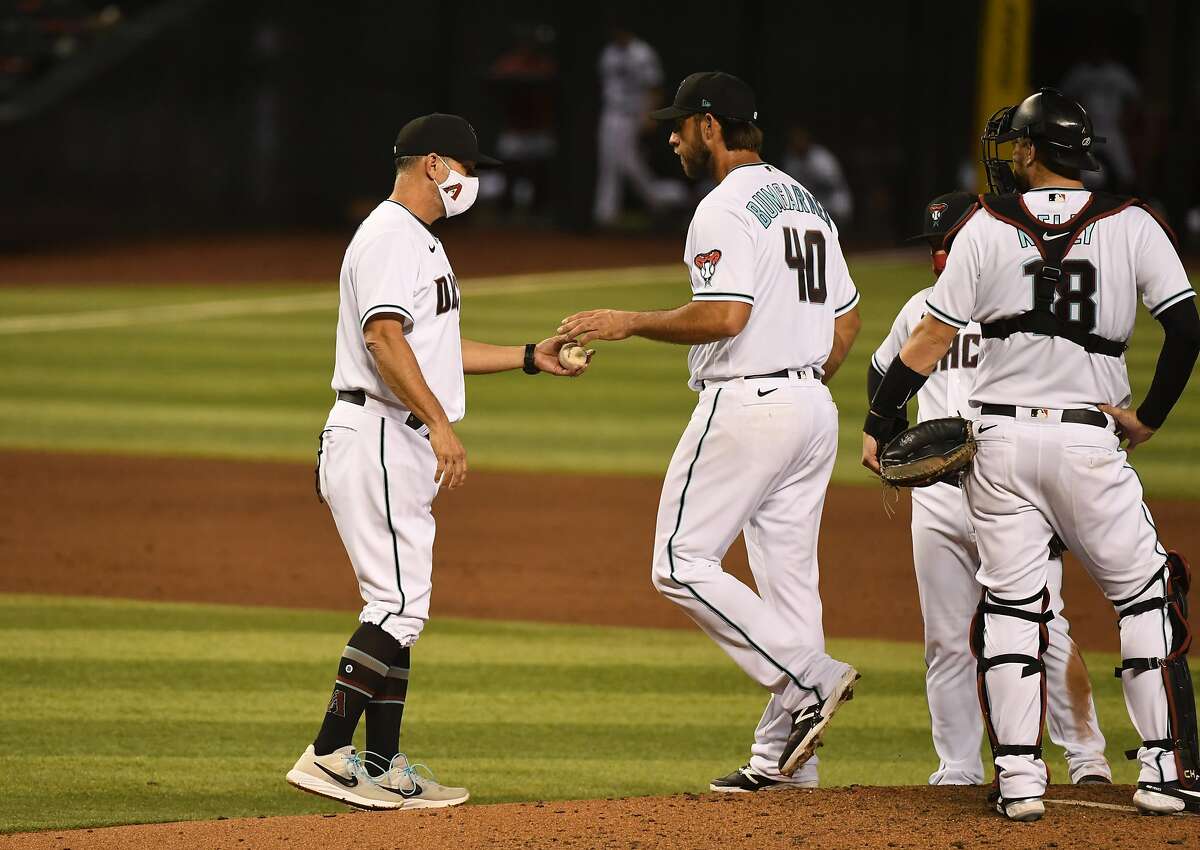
(929, 452)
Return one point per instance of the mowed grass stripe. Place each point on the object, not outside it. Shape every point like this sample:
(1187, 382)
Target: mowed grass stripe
(121, 711)
(251, 386)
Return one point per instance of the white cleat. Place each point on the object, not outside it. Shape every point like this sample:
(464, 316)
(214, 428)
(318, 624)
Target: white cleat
(1023, 811)
(1165, 798)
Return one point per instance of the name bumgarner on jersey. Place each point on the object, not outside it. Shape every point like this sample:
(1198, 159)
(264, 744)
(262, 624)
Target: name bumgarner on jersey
(761, 239)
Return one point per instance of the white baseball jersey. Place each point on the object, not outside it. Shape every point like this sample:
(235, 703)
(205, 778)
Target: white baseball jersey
(395, 265)
(763, 239)
(948, 389)
(990, 275)
(627, 73)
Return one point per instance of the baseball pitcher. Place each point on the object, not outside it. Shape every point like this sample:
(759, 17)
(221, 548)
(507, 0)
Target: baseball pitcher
(387, 447)
(946, 559)
(1052, 274)
(773, 314)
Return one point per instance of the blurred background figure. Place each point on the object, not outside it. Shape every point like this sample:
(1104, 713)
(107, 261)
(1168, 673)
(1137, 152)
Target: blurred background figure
(1109, 92)
(818, 170)
(523, 80)
(631, 80)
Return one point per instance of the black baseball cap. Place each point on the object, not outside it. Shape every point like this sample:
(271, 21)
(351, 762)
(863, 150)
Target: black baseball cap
(944, 214)
(724, 95)
(448, 135)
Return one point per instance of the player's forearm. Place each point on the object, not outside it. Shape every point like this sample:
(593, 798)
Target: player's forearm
(694, 323)
(481, 358)
(928, 343)
(399, 369)
(1181, 344)
(845, 331)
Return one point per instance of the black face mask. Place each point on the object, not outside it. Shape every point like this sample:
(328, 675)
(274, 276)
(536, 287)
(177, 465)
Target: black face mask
(1000, 177)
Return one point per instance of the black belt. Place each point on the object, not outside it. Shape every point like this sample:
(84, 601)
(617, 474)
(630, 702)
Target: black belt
(1077, 417)
(782, 373)
(360, 398)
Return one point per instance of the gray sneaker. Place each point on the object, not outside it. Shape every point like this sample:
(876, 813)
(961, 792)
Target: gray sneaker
(412, 786)
(340, 776)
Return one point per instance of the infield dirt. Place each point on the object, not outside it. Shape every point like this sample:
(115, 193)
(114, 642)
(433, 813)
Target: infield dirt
(178, 529)
(827, 819)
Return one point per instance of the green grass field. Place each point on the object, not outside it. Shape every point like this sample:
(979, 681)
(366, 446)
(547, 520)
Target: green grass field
(120, 711)
(168, 373)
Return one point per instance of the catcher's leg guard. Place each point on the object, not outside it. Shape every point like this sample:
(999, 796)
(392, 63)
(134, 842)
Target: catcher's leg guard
(1020, 624)
(1163, 603)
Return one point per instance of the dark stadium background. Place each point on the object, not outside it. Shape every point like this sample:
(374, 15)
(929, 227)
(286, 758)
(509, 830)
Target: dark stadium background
(207, 116)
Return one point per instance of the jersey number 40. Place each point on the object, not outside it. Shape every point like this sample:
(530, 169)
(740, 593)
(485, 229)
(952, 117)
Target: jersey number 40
(806, 255)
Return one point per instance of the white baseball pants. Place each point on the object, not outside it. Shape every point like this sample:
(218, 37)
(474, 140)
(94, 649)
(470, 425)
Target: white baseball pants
(1035, 475)
(758, 464)
(376, 475)
(946, 560)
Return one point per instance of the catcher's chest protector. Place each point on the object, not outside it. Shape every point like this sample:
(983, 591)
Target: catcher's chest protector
(1053, 241)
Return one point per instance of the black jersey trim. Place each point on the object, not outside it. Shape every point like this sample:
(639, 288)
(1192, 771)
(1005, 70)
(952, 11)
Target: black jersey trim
(946, 317)
(848, 306)
(722, 296)
(387, 308)
(410, 212)
(387, 508)
(1182, 295)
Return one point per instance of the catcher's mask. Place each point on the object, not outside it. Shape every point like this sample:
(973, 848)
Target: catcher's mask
(1059, 127)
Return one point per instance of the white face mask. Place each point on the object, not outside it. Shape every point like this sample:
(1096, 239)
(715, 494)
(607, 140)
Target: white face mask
(458, 191)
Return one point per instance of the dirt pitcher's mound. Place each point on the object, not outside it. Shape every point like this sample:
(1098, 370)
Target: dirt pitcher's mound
(854, 817)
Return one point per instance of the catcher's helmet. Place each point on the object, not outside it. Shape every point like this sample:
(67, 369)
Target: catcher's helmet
(1059, 126)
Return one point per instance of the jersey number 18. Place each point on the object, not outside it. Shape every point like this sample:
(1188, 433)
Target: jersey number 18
(1075, 292)
(806, 255)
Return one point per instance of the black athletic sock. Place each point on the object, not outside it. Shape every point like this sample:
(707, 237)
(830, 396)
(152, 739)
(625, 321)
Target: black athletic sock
(385, 711)
(361, 672)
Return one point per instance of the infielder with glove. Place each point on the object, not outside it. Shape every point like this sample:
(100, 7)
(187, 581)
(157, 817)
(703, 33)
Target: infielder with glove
(773, 314)
(946, 559)
(389, 444)
(1052, 273)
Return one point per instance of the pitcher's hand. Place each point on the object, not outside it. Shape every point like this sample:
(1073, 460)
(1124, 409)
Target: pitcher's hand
(597, 324)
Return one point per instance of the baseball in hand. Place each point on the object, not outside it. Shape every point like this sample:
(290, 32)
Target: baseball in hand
(572, 356)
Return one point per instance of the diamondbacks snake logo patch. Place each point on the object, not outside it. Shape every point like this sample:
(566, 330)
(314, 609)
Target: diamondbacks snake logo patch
(707, 264)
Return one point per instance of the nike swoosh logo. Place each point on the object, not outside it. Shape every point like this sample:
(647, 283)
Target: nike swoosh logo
(416, 792)
(762, 393)
(1050, 238)
(432, 248)
(340, 780)
(986, 428)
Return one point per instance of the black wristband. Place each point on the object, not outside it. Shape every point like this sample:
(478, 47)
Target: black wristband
(530, 368)
(899, 384)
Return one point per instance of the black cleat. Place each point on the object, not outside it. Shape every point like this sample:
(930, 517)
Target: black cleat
(1093, 779)
(744, 781)
(808, 724)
